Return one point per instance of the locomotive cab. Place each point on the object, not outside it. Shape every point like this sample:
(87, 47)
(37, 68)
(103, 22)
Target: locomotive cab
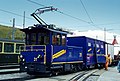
(43, 45)
(46, 51)
(43, 35)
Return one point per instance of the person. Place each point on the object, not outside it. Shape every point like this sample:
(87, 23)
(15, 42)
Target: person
(118, 67)
(107, 61)
(118, 58)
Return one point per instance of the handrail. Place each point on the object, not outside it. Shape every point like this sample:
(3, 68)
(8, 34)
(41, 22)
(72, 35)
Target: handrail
(32, 48)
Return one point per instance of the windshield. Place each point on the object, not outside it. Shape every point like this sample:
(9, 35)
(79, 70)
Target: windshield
(37, 38)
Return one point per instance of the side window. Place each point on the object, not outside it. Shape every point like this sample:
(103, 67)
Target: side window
(18, 46)
(9, 47)
(0, 47)
(97, 45)
(63, 40)
(101, 46)
(89, 44)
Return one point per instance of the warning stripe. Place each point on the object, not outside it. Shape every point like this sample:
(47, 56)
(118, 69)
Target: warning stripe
(58, 54)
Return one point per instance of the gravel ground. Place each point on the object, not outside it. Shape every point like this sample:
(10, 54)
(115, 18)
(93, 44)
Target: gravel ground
(13, 76)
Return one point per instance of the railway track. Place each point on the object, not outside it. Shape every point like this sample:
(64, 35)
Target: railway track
(7, 69)
(82, 76)
(91, 75)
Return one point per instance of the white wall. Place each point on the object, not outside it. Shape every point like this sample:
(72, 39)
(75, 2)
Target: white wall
(116, 49)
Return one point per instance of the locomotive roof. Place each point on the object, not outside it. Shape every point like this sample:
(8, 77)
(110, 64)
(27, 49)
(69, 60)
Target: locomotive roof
(45, 28)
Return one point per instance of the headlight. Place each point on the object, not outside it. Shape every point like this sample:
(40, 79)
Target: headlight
(23, 60)
(21, 56)
(25, 67)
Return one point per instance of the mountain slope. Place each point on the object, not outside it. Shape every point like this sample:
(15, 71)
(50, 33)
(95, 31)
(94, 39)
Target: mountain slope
(6, 32)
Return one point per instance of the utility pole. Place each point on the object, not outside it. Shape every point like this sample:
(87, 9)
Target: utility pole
(23, 25)
(24, 20)
(13, 30)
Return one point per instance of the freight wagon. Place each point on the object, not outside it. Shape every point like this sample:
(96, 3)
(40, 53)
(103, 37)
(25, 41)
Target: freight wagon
(93, 50)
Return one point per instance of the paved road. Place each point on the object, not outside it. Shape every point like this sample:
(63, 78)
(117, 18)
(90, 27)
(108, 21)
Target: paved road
(110, 75)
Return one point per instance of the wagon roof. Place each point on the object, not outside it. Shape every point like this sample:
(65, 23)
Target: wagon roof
(9, 40)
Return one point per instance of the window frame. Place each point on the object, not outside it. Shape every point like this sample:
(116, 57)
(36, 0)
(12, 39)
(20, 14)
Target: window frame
(19, 48)
(10, 50)
(1, 46)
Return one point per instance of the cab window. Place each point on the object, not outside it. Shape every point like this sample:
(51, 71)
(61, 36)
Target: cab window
(27, 39)
(56, 39)
(43, 39)
(63, 40)
(33, 38)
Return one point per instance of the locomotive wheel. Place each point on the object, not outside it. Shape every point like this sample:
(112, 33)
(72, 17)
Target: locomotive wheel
(74, 68)
(80, 67)
(50, 74)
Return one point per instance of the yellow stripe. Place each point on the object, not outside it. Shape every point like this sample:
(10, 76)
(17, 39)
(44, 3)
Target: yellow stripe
(89, 49)
(67, 62)
(58, 54)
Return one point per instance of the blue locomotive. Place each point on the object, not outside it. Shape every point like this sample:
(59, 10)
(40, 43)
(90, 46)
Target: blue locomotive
(49, 50)
(46, 50)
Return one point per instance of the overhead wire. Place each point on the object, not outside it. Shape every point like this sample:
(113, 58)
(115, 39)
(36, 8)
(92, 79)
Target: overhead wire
(61, 12)
(92, 23)
(35, 2)
(15, 14)
(73, 17)
(86, 11)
